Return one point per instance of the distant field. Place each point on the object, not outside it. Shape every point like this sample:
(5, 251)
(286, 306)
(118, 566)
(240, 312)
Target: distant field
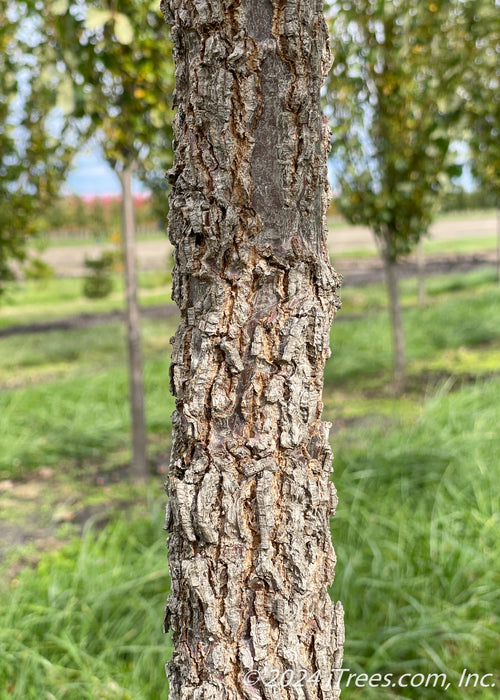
(477, 244)
(34, 301)
(451, 233)
(467, 245)
(335, 220)
(81, 374)
(79, 239)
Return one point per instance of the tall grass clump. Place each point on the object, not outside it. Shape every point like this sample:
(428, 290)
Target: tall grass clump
(417, 538)
(86, 624)
(362, 347)
(77, 418)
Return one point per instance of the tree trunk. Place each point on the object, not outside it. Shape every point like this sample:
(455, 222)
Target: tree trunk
(398, 340)
(139, 468)
(249, 491)
(422, 293)
(498, 243)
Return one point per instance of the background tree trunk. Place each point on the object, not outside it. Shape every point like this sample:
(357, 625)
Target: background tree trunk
(139, 468)
(422, 292)
(498, 242)
(396, 319)
(249, 493)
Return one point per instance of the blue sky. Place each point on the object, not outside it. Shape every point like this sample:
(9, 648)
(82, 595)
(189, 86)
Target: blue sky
(91, 175)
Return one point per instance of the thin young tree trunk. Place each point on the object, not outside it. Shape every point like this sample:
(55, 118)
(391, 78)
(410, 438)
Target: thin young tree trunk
(396, 318)
(422, 292)
(139, 468)
(249, 492)
(498, 243)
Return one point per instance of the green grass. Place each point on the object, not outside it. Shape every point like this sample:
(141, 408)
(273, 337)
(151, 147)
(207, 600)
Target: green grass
(478, 280)
(475, 244)
(416, 536)
(68, 395)
(362, 358)
(465, 245)
(60, 290)
(60, 297)
(368, 366)
(76, 418)
(24, 358)
(27, 357)
(468, 215)
(86, 623)
(73, 404)
(416, 533)
(439, 288)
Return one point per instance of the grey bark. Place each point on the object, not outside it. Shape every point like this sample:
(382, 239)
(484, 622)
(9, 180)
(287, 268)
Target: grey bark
(249, 491)
(139, 468)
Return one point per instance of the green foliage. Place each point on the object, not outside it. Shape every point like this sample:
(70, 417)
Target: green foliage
(392, 97)
(32, 160)
(86, 623)
(120, 75)
(38, 271)
(98, 284)
(458, 199)
(98, 220)
(482, 90)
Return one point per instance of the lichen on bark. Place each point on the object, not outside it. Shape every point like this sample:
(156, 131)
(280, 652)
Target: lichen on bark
(249, 486)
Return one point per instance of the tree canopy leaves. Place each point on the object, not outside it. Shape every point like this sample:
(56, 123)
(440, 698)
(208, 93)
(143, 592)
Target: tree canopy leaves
(482, 98)
(394, 105)
(120, 75)
(34, 151)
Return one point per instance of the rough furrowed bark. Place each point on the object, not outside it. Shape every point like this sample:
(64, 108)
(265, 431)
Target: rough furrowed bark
(249, 491)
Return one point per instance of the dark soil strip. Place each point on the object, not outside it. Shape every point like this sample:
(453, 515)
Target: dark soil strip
(71, 323)
(354, 272)
(360, 273)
